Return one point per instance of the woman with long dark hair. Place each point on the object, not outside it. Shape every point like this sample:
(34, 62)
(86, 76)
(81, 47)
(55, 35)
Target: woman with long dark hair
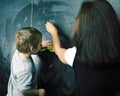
(96, 55)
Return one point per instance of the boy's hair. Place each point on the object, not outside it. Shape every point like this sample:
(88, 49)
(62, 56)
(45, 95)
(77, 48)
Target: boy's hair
(96, 33)
(27, 37)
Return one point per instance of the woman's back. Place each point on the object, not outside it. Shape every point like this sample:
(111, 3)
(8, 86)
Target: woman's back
(97, 81)
(96, 34)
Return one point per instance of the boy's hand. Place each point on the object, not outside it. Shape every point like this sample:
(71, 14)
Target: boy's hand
(41, 92)
(47, 45)
(50, 27)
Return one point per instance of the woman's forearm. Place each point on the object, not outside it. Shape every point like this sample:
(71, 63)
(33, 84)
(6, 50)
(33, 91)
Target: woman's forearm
(56, 41)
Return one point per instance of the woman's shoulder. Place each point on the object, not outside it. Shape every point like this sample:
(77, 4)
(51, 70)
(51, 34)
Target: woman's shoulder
(70, 55)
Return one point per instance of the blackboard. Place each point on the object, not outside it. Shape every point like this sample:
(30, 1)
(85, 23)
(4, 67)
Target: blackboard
(15, 14)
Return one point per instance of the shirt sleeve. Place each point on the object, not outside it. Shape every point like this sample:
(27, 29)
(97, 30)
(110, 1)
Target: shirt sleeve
(24, 80)
(70, 55)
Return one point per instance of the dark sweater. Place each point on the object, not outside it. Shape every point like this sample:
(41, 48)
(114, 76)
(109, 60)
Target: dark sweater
(101, 81)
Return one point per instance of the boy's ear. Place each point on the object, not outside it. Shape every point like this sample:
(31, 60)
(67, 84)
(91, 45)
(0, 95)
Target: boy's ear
(31, 48)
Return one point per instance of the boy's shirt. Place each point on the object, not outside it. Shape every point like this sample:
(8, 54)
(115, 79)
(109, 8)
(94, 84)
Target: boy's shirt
(22, 76)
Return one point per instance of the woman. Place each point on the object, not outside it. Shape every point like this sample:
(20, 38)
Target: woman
(96, 55)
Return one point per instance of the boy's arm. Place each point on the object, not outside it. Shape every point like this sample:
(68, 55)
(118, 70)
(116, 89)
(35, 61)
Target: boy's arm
(47, 45)
(39, 92)
(60, 52)
(24, 81)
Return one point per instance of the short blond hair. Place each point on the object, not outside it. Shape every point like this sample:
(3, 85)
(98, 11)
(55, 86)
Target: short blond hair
(27, 37)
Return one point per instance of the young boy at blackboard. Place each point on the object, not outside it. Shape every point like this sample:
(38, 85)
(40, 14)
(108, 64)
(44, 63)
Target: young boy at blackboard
(22, 81)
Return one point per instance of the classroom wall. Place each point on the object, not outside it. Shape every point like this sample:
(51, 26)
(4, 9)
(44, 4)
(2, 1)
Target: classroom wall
(15, 14)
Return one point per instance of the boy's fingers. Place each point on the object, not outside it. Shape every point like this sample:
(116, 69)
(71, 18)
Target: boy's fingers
(46, 42)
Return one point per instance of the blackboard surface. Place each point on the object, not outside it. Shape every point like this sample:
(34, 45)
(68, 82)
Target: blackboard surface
(15, 14)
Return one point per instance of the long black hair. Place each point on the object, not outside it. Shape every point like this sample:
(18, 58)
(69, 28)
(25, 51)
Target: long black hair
(96, 34)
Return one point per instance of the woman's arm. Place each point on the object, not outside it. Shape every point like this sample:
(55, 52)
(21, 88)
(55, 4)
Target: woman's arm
(60, 52)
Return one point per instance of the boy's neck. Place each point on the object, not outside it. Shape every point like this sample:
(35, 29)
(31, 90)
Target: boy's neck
(24, 56)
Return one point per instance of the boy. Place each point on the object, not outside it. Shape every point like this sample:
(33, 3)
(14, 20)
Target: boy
(22, 81)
